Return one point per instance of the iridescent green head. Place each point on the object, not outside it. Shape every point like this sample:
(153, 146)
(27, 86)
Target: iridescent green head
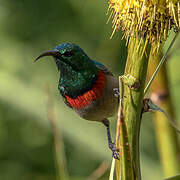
(77, 70)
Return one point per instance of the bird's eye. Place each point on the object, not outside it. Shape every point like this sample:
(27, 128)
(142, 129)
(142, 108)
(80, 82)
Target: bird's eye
(68, 53)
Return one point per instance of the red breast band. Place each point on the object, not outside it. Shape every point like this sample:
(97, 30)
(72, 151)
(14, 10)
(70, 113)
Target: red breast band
(85, 99)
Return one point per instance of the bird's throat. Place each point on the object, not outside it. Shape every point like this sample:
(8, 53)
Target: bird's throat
(89, 96)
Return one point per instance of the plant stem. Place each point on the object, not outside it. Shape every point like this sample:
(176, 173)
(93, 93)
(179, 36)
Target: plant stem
(161, 62)
(136, 66)
(60, 159)
(124, 166)
(166, 136)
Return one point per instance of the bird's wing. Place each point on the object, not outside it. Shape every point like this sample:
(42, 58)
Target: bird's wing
(103, 68)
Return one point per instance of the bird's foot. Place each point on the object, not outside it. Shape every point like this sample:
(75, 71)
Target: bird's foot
(112, 146)
(116, 92)
(114, 150)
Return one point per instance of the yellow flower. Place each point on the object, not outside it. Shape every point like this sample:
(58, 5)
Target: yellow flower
(151, 19)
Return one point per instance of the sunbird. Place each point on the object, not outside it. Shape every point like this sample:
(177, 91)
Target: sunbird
(86, 86)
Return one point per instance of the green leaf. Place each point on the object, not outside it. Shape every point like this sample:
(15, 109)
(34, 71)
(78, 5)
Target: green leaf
(177, 177)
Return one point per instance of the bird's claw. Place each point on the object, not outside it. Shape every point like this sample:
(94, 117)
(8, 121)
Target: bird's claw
(116, 92)
(114, 150)
(115, 155)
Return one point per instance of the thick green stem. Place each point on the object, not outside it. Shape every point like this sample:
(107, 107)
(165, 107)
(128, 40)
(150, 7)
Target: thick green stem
(166, 136)
(136, 66)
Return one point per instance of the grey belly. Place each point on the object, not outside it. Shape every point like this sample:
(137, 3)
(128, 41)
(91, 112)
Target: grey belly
(103, 107)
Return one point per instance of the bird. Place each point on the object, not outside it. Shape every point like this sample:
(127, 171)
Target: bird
(86, 86)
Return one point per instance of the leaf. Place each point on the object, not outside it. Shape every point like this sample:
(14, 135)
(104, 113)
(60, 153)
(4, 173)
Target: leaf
(154, 107)
(177, 177)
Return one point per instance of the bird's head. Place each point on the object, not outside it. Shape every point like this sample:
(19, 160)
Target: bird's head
(70, 56)
(77, 71)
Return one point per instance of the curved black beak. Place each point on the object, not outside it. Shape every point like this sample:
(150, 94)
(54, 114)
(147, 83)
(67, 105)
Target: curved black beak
(53, 53)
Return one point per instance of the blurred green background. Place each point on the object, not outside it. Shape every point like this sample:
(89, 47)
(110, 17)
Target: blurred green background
(26, 137)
